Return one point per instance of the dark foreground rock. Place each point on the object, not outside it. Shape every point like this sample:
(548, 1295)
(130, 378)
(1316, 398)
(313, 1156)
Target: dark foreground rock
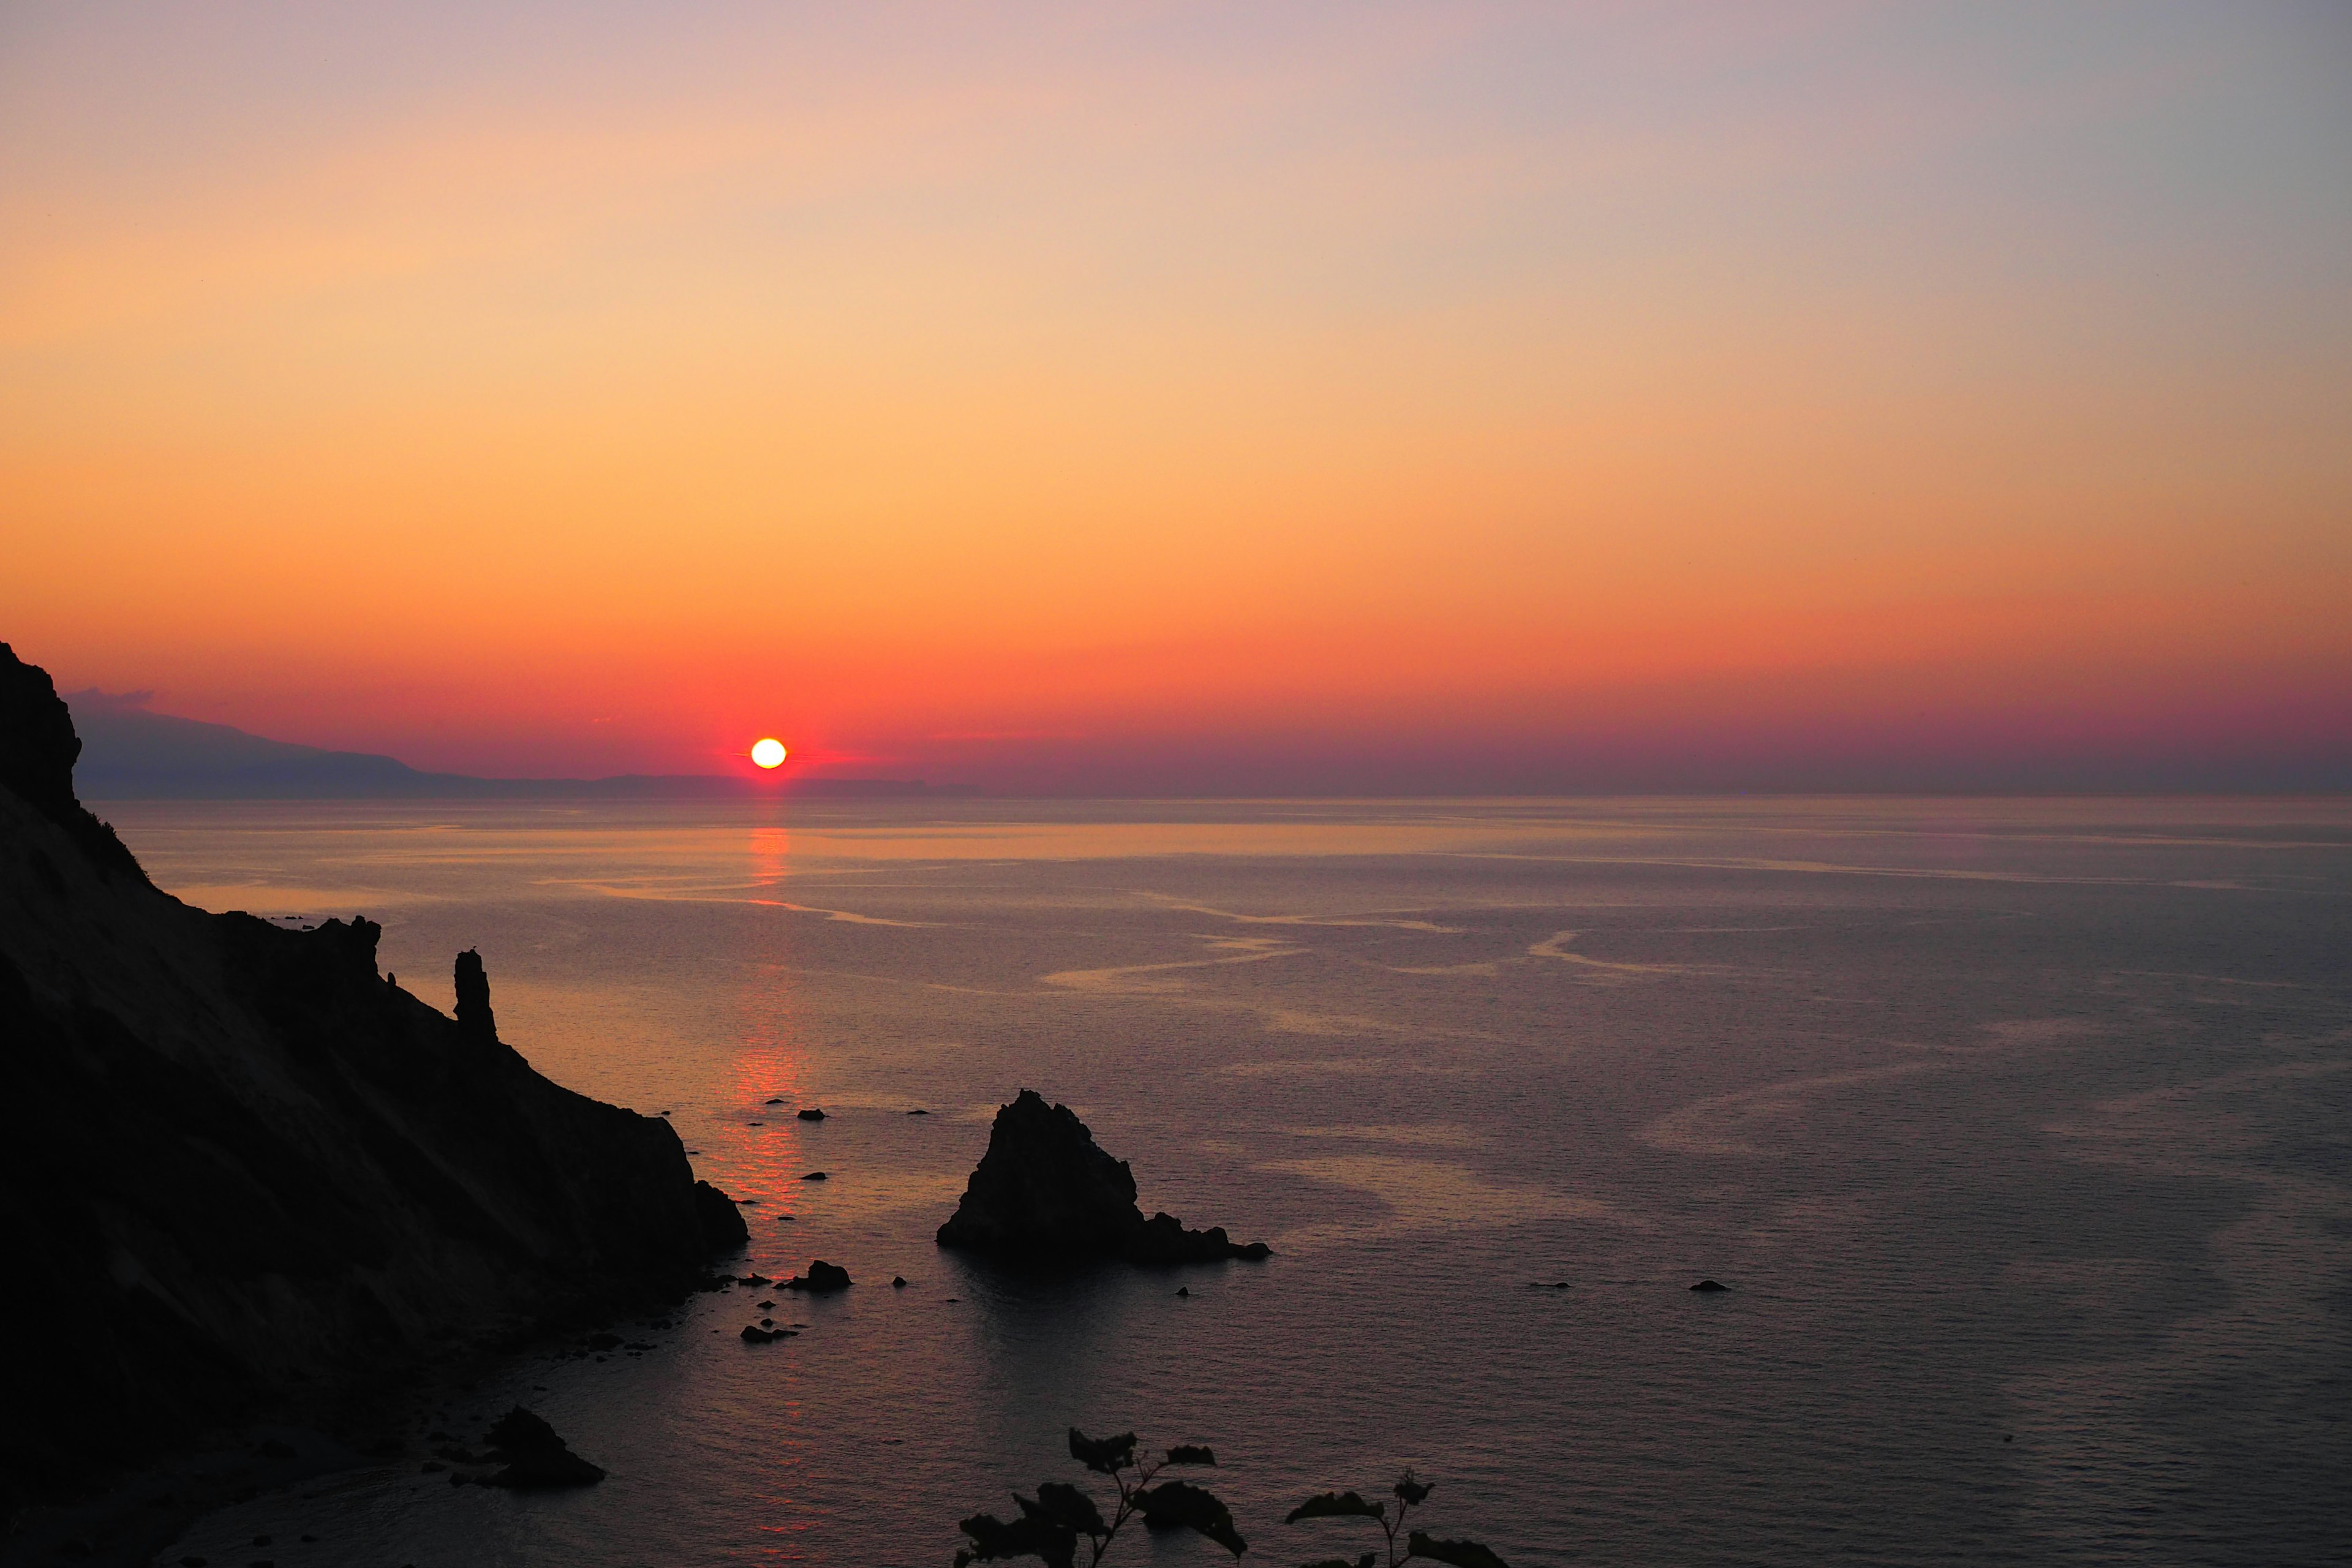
(1046, 1189)
(247, 1177)
(534, 1456)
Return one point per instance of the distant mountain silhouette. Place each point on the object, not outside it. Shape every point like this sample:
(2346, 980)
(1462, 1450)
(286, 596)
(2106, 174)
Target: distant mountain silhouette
(132, 753)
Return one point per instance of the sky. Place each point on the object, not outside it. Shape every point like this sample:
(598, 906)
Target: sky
(1349, 398)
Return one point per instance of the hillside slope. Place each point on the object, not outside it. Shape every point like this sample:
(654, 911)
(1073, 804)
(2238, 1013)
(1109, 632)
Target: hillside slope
(243, 1172)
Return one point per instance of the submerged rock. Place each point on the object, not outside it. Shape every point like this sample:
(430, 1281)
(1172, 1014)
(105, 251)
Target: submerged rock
(535, 1457)
(1709, 1287)
(1164, 1240)
(1046, 1189)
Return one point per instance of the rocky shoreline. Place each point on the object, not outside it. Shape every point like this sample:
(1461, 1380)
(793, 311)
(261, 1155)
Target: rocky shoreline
(251, 1183)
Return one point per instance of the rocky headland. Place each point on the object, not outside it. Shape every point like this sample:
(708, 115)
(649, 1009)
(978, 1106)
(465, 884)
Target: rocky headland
(247, 1177)
(1046, 1190)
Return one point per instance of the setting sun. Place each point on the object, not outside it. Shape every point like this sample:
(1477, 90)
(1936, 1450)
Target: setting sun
(768, 753)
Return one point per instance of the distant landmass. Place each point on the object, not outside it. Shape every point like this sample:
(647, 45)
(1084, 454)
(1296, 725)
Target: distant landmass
(132, 753)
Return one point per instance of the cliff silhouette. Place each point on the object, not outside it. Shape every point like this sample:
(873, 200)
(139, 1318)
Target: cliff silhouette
(245, 1174)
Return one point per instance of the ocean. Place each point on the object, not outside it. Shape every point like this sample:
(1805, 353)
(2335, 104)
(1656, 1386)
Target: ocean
(2020, 1132)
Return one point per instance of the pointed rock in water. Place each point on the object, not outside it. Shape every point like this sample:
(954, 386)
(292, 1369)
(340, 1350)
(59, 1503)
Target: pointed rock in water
(1709, 1287)
(814, 1176)
(898, 1282)
(1046, 1189)
(535, 1457)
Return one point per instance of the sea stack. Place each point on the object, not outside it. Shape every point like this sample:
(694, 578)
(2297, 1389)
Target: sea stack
(1046, 1190)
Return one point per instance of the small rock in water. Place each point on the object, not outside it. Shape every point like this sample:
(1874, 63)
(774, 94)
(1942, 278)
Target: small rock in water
(1709, 1285)
(811, 1114)
(1183, 1290)
(777, 1100)
(919, 1113)
(815, 1177)
(898, 1282)
(754, 1334)
(822, 1277)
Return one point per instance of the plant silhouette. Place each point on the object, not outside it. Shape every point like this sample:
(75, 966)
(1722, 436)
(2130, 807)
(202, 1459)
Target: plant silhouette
(1052, 1522)
(1409, 1494)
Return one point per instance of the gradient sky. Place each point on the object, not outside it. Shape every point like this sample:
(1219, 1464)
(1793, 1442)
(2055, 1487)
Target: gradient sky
(1192, 397)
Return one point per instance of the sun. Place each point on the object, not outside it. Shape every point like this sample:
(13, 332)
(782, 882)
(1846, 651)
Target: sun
(768, 753)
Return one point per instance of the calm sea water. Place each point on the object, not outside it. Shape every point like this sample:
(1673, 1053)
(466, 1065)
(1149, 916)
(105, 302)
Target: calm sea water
(2022, 1131)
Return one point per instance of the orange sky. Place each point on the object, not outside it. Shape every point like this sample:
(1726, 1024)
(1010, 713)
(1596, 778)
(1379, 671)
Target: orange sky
(1213, 398)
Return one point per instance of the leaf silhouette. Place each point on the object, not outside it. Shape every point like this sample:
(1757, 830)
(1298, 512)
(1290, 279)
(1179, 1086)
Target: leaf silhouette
(1028, 1536)
(1103, 1455)
(1366, 1561)
(1459, 1553)
(1337, 1504)
(1065, 1506)
(1173, 1504)
(1191, 1454)
(1410, 1492)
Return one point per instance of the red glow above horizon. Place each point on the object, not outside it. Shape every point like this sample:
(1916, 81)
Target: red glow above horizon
(1365, 398)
